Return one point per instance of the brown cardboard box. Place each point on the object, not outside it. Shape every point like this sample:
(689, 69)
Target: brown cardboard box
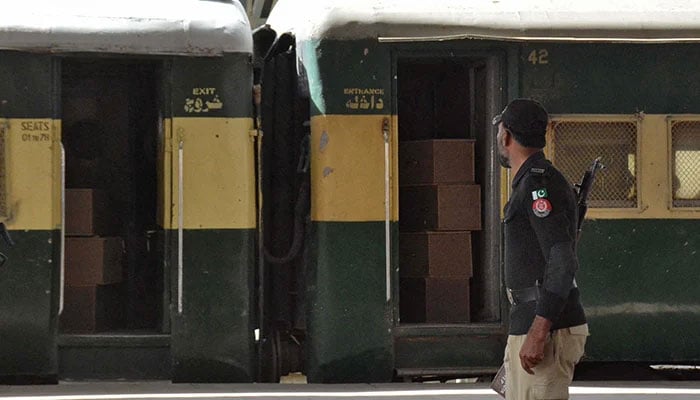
(436, 161)
(93, 260)
(88, 213)
(435, 254)
(440, 300)
(440, 207)
(92, 308)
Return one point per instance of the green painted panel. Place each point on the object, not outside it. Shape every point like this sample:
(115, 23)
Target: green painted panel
(26, 85)
(29, 305)
(340, 72)
(212, 340)
(638, 280)
(612, 78)
(347, 77)
(128, 357)
(349, 321)
(212, 87)
(671, 336)
(459, 351)
(568, 78)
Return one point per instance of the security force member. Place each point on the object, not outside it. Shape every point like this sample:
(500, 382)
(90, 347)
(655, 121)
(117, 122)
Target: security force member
(548, 329)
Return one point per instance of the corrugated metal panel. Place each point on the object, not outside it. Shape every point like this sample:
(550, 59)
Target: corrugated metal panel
(193, 27)
(559, 20)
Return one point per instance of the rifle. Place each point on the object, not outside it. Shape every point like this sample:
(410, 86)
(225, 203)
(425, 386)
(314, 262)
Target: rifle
(583, 190)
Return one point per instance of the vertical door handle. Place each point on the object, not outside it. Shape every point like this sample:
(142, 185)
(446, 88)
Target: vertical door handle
(180, 224)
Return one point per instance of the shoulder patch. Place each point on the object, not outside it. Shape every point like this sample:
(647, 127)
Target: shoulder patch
(539, 194)
(541, 207)
(537, 171)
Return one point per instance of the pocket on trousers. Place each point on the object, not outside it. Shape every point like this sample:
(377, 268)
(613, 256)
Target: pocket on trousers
(575, 343)
(551, 392)
(579, 330)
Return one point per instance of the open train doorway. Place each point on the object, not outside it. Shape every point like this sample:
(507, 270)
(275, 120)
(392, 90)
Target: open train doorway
(113, 271)
(448, 191)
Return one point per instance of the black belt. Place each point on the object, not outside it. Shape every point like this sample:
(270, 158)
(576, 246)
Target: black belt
(525, 295)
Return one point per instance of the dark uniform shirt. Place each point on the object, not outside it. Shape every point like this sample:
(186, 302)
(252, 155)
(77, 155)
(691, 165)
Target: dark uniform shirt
(540, 246)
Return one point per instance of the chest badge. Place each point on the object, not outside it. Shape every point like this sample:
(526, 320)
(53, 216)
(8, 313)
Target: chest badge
(541, 207)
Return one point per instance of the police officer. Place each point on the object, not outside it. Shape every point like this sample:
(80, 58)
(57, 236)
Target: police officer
(548, 329)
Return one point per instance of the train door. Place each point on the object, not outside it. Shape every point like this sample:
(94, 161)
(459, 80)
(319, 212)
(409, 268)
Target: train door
(449, 197)
(114, 298)
(209, 163)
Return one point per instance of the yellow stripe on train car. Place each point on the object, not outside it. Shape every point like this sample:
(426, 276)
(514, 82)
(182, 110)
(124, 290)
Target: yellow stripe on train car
(218, 173)
(31, 173)
(348, 168)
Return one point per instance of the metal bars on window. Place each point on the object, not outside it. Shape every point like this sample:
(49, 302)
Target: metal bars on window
(685, 162)
(575, 141)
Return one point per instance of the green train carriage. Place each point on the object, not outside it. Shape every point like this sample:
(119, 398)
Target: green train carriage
(376, 76)
(141, 114)
(156, 103)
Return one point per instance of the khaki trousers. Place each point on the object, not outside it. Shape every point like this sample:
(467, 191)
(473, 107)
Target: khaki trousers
(562, 351)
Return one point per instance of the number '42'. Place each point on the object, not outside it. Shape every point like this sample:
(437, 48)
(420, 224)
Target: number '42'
(538, 57)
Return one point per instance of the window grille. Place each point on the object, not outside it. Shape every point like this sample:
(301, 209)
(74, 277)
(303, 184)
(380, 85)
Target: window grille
(575, 143)
(3, 168)
(685, 163)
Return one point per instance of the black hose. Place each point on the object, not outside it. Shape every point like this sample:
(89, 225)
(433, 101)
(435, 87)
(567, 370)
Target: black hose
(299, 219)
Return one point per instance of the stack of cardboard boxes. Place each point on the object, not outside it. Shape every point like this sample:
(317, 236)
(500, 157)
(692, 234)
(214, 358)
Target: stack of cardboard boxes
(439, 207)
(93, 267)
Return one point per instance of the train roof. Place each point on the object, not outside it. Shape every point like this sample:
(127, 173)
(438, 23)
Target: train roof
(544, 20)
(182, 27)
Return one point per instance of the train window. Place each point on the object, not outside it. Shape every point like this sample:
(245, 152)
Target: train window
(685, 162)
(3, 165)
(574, 142)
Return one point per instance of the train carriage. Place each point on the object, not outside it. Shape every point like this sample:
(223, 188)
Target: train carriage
(127, 185)
(372, 251)
(390, 85)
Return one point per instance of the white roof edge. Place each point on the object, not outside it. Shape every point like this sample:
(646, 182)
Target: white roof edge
(176, 27)
(642, 21)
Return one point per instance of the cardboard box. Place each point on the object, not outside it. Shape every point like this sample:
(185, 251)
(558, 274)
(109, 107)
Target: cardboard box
(435, 254)
(436, 300)
(92, 308)
(436, 161)
(440, 208)
(93, 260)
(88, 213)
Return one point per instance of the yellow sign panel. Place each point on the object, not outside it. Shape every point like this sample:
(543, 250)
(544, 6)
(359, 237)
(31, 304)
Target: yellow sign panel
(31, 173)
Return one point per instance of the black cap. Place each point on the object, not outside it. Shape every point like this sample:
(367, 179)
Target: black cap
(527, 120)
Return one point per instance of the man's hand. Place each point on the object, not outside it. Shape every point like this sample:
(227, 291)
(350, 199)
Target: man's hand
(532, 352)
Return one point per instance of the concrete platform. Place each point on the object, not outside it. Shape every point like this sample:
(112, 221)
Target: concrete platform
(166, 390)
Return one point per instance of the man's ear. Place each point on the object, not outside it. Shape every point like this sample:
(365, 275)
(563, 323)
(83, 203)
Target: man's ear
(507, 137)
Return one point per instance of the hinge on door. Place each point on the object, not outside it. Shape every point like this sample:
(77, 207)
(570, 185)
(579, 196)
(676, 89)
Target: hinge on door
(255, 133)
(385, 129)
